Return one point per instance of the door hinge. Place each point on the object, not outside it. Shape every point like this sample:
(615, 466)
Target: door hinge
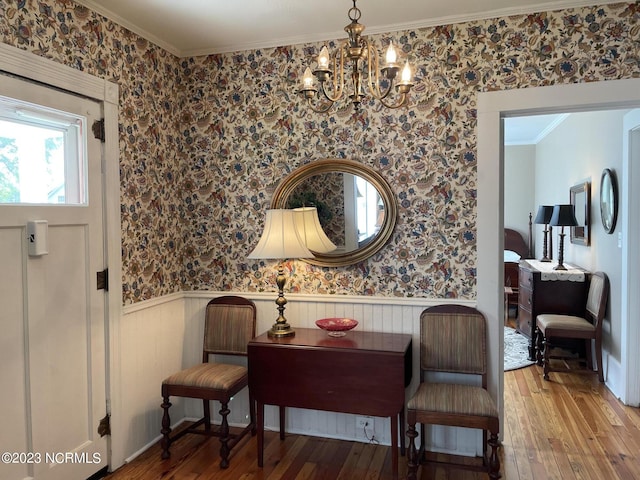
(102, 280)
(98, 129)
(104, 427)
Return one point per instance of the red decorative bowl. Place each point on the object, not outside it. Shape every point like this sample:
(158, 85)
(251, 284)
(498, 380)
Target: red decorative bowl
(336, 327)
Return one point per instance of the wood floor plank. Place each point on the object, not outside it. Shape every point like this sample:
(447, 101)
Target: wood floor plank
(287, 458)
(568, 428)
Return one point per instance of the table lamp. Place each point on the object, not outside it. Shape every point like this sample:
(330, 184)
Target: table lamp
(543, 217)
(563, 216)
(310, 231)
(280, 240)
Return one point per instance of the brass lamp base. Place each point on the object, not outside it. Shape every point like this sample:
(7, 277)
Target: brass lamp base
(281, 330)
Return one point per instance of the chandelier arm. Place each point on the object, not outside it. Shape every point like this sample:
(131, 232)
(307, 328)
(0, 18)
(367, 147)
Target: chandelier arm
(338, 78)
(323, 108)
(374, 74)
(326, 95)
(401, 102)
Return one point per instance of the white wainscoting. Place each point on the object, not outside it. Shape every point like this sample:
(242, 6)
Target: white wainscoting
(164, 335)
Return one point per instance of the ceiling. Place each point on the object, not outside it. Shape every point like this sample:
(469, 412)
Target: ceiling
(202, 27)
(199, 27)
(531, 129)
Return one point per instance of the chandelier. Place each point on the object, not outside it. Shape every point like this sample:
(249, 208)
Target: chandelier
(365, 69)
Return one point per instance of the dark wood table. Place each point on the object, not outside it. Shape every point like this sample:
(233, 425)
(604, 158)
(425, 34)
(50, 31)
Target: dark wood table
(362, 373)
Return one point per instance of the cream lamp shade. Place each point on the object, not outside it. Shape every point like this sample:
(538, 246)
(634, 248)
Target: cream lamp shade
(310, 231)
(280, 238)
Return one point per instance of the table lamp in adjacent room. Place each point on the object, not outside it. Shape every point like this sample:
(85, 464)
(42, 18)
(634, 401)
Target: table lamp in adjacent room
(279, 241)
(543, 217)
(563, 216)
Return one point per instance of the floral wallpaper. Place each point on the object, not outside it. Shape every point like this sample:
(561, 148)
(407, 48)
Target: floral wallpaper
(426, 151)
(204, 141)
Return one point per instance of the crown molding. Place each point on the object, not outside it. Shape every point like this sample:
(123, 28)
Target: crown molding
(325, 36)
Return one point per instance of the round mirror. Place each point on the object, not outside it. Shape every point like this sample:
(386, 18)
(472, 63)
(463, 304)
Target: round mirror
(608, 200)
(356, 207)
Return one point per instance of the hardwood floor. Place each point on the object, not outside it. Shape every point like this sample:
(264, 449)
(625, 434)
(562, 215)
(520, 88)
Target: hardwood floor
(570, 427)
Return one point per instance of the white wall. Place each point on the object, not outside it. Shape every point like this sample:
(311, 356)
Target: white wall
(578, 150)
(519, 188)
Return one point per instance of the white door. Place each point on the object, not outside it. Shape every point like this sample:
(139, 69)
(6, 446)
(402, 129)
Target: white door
(52, 320)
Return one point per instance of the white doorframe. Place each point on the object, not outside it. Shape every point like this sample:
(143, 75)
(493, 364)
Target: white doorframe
(48, 72)
(492, 108)
(629, 208)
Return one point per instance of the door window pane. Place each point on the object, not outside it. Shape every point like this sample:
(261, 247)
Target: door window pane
(42, 155)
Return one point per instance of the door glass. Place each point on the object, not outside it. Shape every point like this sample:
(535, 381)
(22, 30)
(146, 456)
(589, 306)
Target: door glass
(42, 155)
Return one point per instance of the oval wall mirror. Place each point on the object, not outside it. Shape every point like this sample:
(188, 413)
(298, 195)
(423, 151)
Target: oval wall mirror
(608, 200)
(356, 207)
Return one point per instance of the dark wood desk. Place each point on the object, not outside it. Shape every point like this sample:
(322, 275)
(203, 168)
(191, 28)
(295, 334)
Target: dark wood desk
(363, 373)
(537, 295)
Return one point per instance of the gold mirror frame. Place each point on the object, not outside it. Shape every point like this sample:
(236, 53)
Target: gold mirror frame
(580, 197)
(608, 200)
(337, 165)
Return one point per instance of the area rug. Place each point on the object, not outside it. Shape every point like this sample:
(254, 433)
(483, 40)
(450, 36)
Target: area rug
(516, 350)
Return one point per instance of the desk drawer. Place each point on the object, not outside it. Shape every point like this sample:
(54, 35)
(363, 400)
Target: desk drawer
(525, 279)
(524, 322)
(525, 298)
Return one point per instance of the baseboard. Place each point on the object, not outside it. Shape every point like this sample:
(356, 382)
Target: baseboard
(146, 447)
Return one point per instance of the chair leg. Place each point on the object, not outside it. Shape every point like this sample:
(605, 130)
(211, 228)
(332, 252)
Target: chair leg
(599, 359)
(538, 345)
(166, 428)
(547, 354)
(224, 435)
(494, 461)
(422, 451)
(207, 415)
(412, 453)
(588, 354)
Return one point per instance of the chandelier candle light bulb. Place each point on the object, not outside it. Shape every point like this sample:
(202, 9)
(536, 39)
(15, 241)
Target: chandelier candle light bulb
(406, 75)
(307, 79)
(323, 59)
(391, 56)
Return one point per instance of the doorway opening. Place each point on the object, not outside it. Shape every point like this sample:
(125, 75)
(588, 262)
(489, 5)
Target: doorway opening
(493, 107)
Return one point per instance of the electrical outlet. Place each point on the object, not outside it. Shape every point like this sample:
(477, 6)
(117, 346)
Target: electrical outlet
(364, 422)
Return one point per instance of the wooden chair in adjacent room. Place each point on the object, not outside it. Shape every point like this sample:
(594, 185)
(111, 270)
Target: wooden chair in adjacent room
(453, 340)
(551, 327)
(230, 322)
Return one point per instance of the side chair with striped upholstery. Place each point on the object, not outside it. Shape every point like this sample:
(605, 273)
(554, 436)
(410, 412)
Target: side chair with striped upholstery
(453, 339)
(230, 322)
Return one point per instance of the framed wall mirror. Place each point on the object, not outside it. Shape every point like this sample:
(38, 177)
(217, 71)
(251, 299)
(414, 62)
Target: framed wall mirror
(608, 200)
(356, 207)
(580, 196)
